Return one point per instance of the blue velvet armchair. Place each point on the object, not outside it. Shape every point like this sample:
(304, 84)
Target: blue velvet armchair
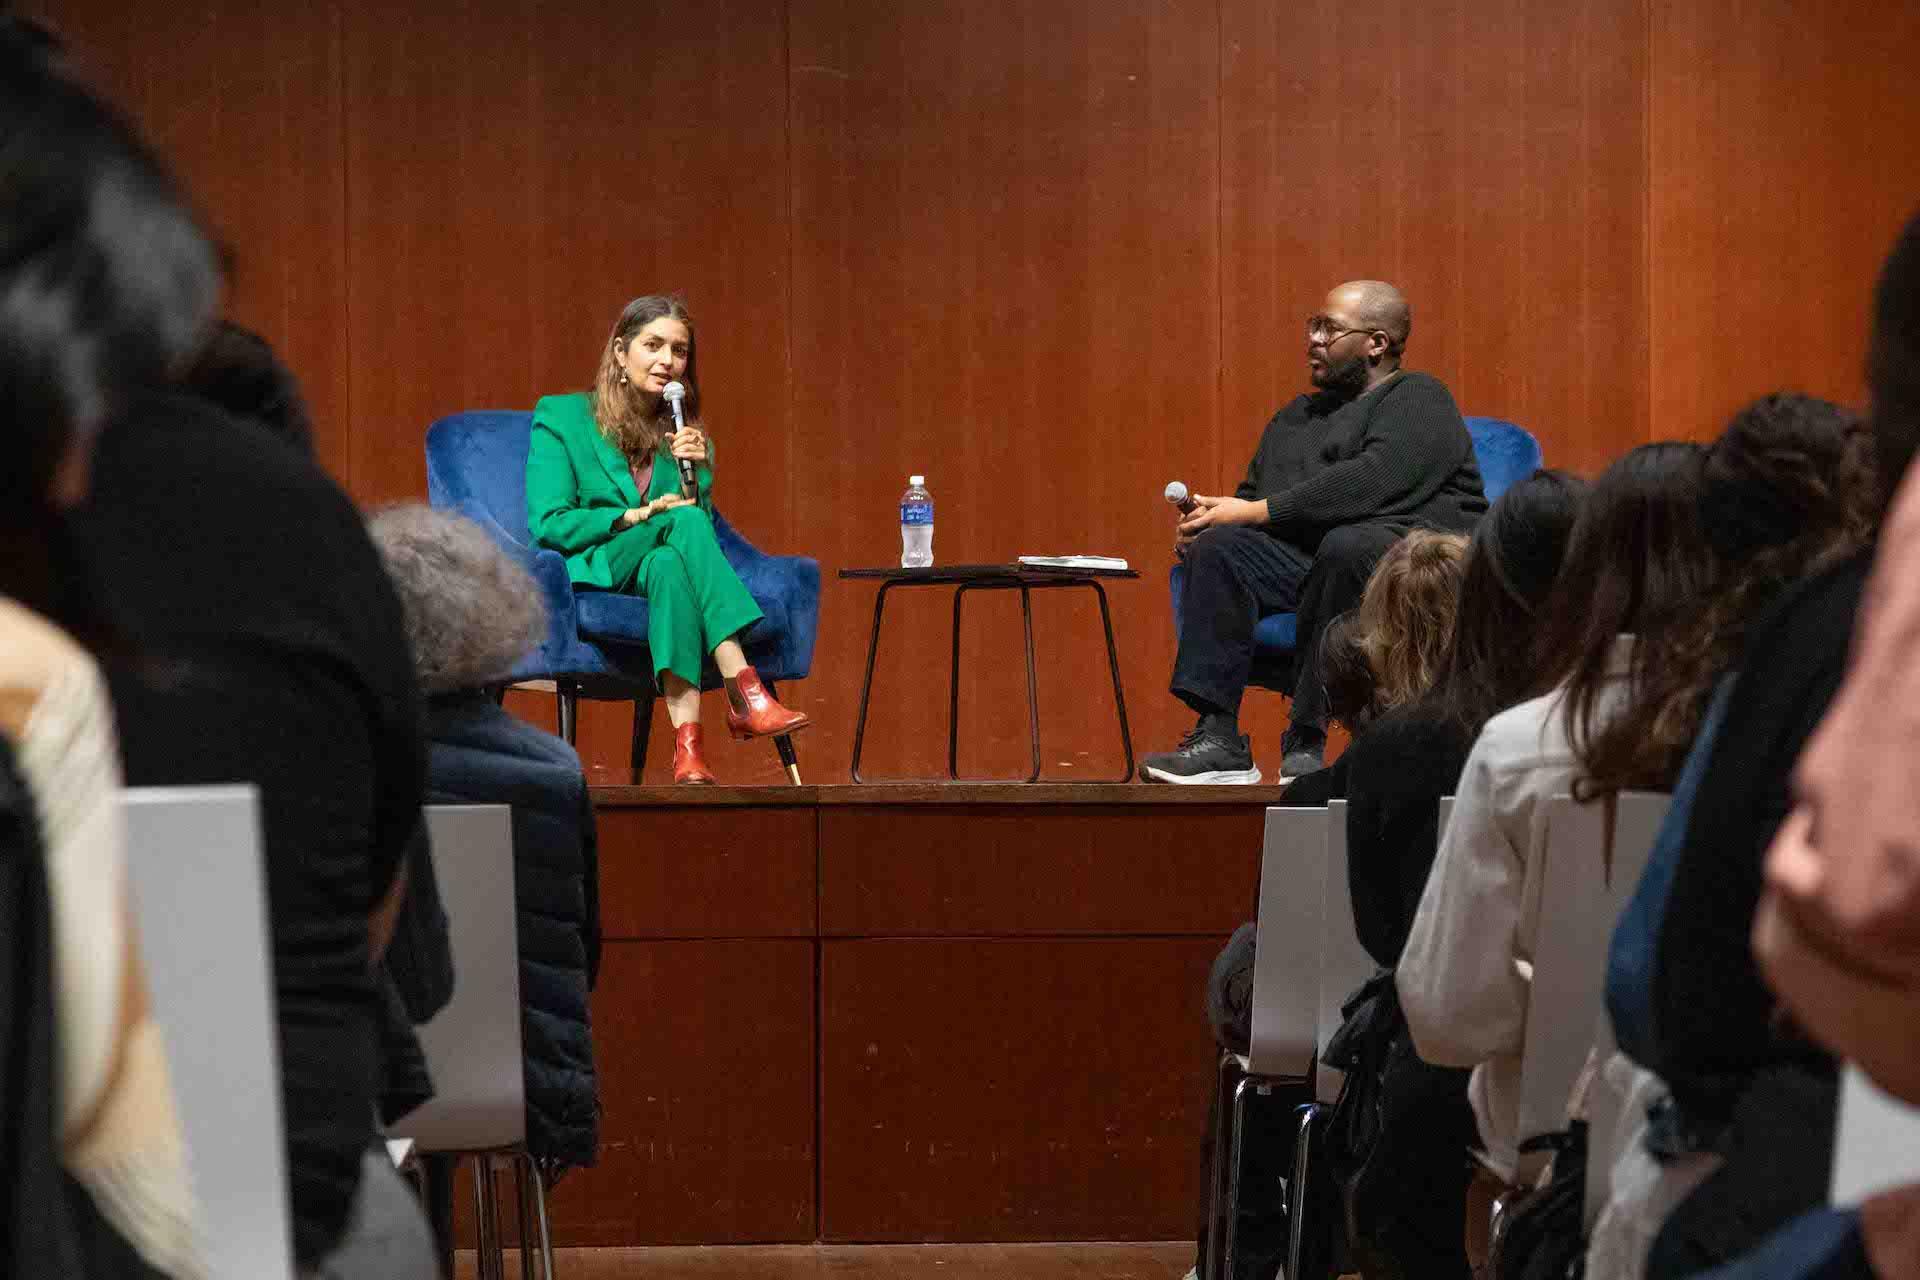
(596, 645)
(1506, 452)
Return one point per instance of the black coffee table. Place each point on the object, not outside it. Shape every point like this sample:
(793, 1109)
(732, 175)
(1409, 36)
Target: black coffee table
(1023, 578)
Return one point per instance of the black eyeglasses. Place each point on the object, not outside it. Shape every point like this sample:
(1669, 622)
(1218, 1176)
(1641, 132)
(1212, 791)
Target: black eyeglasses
(1323, 332)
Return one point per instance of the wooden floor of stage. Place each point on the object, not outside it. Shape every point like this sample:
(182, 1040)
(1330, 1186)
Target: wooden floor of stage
(893, 1262)
(904, 1013)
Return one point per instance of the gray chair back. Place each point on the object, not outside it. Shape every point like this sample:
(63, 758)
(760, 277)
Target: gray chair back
(1584, 886)
(473, 1044)
(1286, 957)
(1876, 1143)
(197, 880)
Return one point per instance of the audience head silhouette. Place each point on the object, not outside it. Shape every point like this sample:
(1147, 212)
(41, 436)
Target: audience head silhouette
(1787, 487)
(106, 279)
(1893, 361)
(1636, 554)
(1512, 564)
(238, 371)
(1406, 613)
(471, 613)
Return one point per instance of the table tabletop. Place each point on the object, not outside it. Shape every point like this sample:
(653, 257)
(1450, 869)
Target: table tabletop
(1014, 572)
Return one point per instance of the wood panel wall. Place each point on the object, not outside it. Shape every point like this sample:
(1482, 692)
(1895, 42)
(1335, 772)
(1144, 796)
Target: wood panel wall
(1052, 253)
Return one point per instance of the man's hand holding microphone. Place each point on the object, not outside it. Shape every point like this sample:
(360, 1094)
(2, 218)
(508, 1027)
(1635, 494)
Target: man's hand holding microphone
(1198, 513)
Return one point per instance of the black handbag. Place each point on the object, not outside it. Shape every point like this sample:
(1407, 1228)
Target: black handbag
(1540, 1234)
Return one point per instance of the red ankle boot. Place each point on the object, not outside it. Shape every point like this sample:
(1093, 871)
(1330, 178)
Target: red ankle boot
(752, 711)
(687, 764)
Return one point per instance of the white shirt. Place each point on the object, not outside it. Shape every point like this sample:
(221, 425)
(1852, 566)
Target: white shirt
(1464, 976)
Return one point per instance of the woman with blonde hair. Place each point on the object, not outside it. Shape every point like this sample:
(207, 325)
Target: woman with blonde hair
(626, 497)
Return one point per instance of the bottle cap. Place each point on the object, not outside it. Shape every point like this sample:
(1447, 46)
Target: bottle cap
(916, 479)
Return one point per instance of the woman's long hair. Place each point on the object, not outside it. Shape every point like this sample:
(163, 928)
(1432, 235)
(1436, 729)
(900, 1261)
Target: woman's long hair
(1786, 489)
(1637, 557)
(107, 281)
(1405, 614)
(1512, 565)
(619, 409)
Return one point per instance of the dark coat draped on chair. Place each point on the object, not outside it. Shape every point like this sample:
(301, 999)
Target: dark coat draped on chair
(481, 754)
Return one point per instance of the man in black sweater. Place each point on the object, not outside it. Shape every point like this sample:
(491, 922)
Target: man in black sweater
(1340, 475)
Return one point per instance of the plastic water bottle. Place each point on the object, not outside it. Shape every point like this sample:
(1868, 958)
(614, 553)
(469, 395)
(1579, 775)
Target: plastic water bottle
(916, 525)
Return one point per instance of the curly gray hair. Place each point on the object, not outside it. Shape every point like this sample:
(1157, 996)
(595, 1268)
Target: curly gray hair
(471, 613)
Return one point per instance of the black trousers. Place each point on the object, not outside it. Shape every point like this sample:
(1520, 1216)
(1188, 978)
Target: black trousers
(1237, 575)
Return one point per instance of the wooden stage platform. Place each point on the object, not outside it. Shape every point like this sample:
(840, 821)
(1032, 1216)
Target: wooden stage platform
(904, 1013)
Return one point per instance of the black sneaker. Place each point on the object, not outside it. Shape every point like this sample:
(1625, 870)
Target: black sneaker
(1203, 757)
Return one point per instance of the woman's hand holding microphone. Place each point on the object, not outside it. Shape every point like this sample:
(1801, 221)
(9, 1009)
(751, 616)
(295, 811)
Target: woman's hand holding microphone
(689, 444)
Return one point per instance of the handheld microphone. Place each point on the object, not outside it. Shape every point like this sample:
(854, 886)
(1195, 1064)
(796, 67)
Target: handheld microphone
(675, 393)
(1177, 494)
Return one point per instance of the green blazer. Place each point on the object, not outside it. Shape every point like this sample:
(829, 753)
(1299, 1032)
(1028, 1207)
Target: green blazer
(578, 485)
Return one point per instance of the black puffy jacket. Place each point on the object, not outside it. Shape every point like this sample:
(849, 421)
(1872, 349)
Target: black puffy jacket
(480, 754)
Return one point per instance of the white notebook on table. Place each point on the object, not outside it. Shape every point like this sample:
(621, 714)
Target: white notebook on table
(1074, 562)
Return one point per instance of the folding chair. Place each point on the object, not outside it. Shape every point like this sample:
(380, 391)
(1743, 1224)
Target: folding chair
(197, 880)
(1637, 817)
(473, 1045)
(1876, 1144)
(1281, 1045)
(1344, 967)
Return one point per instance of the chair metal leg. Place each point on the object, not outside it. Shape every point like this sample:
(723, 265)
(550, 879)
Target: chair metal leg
(540, 1218)
(1222, 1141)
(498, 1252)
(569, 700)
(523, 1219)
(1299, 1206)
(789, 758)
(642, 733)
(483, 1224)
(1231, 1228)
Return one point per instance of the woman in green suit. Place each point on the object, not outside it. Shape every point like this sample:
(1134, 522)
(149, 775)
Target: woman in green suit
(604, 489)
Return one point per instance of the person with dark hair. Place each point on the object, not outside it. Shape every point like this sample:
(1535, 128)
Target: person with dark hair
(241, 671)
(471, 614)
(1339, 476)
(1749, 1090)
(1378, 657)
(1636, 553)
(238, 371)
(106, 279)
(1407, 1195)
(604, 489)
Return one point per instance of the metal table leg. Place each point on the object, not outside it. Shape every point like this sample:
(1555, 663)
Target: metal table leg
(866, 684)
(1119, 695)
(1033, 698)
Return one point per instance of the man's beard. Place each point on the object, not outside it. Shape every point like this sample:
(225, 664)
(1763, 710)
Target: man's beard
(1344, 379)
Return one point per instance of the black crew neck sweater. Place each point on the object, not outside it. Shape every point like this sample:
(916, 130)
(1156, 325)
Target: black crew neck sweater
(1399, 454)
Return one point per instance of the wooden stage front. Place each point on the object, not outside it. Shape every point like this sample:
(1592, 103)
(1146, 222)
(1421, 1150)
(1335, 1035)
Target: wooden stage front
(886, 1013)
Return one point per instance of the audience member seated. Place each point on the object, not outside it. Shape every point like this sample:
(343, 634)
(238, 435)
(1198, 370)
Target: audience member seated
(1377, 657)
(471, 614)
(1787, 490)
(1340, 474)
(1637, 558)
(1406, 1190)
(270, 649)
(1836, 933)
(105, 280)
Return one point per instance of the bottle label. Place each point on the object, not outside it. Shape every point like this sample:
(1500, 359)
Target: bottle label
(916, 513)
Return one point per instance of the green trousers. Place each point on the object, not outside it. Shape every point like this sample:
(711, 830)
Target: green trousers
(694, 598)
